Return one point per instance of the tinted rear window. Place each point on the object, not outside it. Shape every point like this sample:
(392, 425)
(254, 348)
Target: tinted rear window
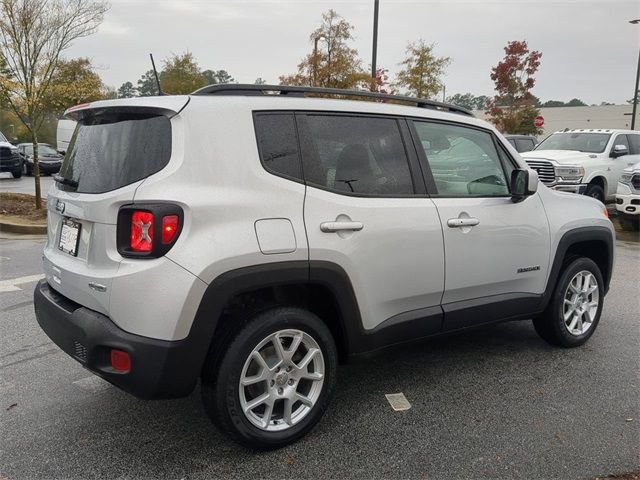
(112, 150)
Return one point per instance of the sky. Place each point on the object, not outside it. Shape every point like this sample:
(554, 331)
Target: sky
(589, 50)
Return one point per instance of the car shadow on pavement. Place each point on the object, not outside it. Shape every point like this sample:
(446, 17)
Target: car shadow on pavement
(120, 435)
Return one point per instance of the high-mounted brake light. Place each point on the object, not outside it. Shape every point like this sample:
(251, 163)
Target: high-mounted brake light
(141, 239)
(170, 225)
(78, 107)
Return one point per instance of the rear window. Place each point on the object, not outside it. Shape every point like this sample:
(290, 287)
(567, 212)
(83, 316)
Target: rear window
(111, 150)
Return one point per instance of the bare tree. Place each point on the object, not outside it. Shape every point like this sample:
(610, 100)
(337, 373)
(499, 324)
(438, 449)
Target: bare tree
(33, 34)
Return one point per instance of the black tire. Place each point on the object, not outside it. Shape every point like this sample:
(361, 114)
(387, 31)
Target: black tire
(17, 173)
(550, 325)
(629, 224)
(223, 370)
(595, 191)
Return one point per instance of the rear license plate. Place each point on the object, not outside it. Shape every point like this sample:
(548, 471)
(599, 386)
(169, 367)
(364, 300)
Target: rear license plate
(69, 237)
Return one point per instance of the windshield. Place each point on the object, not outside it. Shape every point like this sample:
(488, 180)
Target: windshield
(2, 138)
(111, 150)
(43, 149)
(580, 141)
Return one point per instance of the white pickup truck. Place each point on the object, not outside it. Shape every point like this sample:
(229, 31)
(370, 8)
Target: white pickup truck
(588, 162)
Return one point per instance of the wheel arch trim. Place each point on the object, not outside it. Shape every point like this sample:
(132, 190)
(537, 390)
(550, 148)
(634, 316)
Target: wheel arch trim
(574, 237)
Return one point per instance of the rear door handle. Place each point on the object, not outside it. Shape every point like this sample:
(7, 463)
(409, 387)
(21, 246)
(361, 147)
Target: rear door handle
(462, 222)
(332, 227)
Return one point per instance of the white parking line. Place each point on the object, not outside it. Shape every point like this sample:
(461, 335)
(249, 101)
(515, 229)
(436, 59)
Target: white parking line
(11, 285)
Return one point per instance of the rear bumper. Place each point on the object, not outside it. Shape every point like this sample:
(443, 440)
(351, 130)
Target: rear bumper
(159, 368)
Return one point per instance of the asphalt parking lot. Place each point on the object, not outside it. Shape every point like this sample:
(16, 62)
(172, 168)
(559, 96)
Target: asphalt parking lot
(23, 184)
(497, 402)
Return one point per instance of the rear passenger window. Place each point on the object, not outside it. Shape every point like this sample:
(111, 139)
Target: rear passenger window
(355, 155)
(278, 144)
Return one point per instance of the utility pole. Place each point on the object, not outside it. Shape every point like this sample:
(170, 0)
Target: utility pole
(374, 55)
(634, 111)
(315, 59)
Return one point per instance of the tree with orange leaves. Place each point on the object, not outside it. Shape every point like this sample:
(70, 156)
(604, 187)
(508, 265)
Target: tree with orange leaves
(513, 109)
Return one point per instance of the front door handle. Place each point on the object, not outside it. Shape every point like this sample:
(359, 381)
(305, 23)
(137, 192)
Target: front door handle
(462, 222)
(332, 227)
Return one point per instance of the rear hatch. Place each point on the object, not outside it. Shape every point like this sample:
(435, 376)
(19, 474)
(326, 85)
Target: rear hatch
(114, 148)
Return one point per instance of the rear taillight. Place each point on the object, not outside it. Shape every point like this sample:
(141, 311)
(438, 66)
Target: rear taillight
(141, 238)
(148, 230)
(170, 225)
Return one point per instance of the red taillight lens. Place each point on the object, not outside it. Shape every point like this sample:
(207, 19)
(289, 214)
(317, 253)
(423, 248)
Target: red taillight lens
(170, 225)
(120, 360)
(141, 239)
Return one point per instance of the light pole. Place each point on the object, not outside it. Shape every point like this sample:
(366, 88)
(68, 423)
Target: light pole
(635, 90)
(374, 53)
(315, 58)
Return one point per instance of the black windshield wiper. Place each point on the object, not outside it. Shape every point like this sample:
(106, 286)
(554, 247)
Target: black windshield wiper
(65, 181)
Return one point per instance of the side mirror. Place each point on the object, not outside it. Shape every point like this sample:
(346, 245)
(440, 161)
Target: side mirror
(619, 151)
(523, 184)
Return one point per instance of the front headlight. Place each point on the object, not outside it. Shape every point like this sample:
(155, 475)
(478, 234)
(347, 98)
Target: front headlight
(569, 173)
(626, 178)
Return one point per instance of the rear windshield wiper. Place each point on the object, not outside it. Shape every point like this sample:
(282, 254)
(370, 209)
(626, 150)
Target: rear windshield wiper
(65, 181)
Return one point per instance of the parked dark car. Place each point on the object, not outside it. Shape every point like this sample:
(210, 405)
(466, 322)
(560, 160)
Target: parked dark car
(522, 143)
(50, 160)
(10, 161)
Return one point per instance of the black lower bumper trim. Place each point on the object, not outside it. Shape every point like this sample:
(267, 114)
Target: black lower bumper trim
(159, 369)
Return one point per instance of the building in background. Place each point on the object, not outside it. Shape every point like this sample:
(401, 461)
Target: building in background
(559, 118)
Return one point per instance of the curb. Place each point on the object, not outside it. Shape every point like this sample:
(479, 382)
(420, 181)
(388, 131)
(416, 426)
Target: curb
(23, 229)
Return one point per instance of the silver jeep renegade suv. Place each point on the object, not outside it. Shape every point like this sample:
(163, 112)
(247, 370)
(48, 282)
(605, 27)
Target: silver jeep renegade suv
(252, 237)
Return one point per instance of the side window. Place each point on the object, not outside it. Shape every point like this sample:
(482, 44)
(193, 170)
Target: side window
(634, 144)
(278, 144)
(464, 161)
(361, 155)
(621, 140)
(524, 144)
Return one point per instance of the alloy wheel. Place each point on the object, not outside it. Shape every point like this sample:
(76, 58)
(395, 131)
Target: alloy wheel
(581, 301)
(281, 380)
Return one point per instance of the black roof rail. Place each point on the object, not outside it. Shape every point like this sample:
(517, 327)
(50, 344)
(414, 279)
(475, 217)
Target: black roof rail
(295, 91)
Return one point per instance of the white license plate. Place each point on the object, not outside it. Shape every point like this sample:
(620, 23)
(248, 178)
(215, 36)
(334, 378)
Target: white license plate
(69, 237)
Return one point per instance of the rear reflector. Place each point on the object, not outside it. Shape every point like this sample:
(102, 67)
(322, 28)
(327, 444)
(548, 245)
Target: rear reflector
(120, 360)
(170, 224)
(141, 231)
